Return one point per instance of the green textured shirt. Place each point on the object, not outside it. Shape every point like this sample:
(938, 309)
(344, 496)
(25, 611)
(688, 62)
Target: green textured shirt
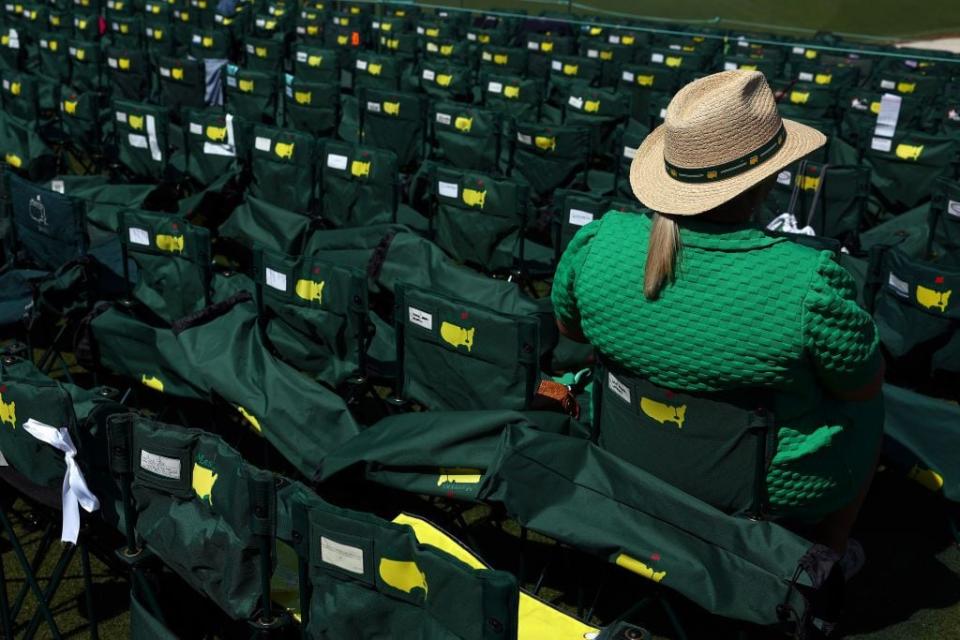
(746, 310)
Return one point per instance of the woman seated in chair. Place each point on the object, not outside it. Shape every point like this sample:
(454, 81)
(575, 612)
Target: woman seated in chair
(696, 299)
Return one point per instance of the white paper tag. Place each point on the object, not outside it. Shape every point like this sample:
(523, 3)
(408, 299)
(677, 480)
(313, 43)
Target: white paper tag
(139, 236)
(341, 555)
(231, 81)
(429, 74)
(656, 57)
(471, 36)
(373, 107)
(196, 127)
(805, 76)
(799, 51)
(618, 387)
(121, 116)
(444, 118)
(337, 161)
(137, 140)
(663, 113)
(160, 465)
(60, 187)
(888, 116)
(448, 189)
(275, 279)
(630, 152)
(593, 53)
(898, 285)
(575, 102)
(784, 178)
(112, 63)
(533, 46)
(613, 39)
(579, 217)
(165, 72)
(629, 76)
(301, 56)
(362, 65)
(730, 66)
(420, 318)
(495, 87)
(881, 144)
(3, 461)
(556, 65)
(262, 144)
(888, 84)
(524, 138)
(953, 208)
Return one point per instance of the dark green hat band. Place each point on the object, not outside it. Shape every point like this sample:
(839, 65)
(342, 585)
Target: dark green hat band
(733, 168)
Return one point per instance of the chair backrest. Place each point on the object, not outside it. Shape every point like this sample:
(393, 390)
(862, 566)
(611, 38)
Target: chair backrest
(316, 64)
(360, 185)
(86, 69)
(600, 109)
(54, 61)
(252, 95)
(465, 136)
(183, 82)
(313, 107)
(551, 157)
(80, 119)
(215, 143)
(129, 71)
(943, 241)
(394, 121)
(19, 92)
(446, 80)
(284, 167)
(50, 227)
(378, 71)
(317, 318)
(905, 167)
(173, 262)
(514, 96)
(264, 54)
(142, 137)
(715, 447)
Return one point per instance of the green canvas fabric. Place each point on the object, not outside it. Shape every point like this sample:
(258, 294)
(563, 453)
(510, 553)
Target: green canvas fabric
(50, 227)
(129, 72)
(903, 173)
(907, 83)
(434, 453)
(85, 24)
(86, 64)
(805, 100)
(404, 45)
(382, 583)
(565, 70)
(195, 498)
(264, 54)
(16, 293)
(283, 164)
(446, 48)
(19, 93)
(394, 121)
(478, 218)
(602, 110)
(142, 135)
(216, 143)
(513, 96)
(835, 77)
(458, 354)
(212, 42)
(359, 184)
(349, 128)
(541, 46)
(574, 209)
(224, 348)
(733, 567)
(259, 223)
(81, 115)
(252, 95)
(377, 71)
(54, 61)
(172, 260)
(550, 157)
(309, 30)
(160, 37)
(944, 224)
(631, 137)
(313, 107)
(913, 303)
(22, 148)
(103, 200)
(182, 83)
(920, 432)
(444, 80)
(464, 136)
(503, 60)
(34, 19)
(12, 52)
(859, 115)
(125, 31)
(726, 441)
(316, 316)
(144, 624)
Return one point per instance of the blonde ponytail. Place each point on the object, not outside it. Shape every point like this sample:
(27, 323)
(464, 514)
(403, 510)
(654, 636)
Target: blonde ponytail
(662, 254)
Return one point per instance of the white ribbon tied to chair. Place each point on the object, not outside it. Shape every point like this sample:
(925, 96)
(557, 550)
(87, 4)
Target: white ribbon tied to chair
(75, 492)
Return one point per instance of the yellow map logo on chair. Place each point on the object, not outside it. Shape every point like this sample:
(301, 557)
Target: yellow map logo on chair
(284, 149)
(673, 61)
(124, 64)
(501, 58)
(933, 299)
(169, 243)
(152, 381)
(15, 88)
(906, 87)
(70, 107)
(310, 290)
(303, 97)
(8, 412)
(474, 197)
(360, 169)
(217, 134)
(571, 69)
(375, 69)
(314, 61)
(823, 78)
(909, 151)
(13, 160)
(260, 52)
(177, 73)
(512, 92)
(203, 481)
(663, 413)
(458, 475)
(457, 336)
(808, 183)
(207, 42)
(547, 143)
(136, 122)
(591, 106)
(404, 575)
(463, 123)
(799, 97)
(645, 80)
(245, 86)
(391, 108)
(444, 79)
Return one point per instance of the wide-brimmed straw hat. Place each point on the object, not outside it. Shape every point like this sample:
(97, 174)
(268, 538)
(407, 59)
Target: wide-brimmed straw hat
(722, 134)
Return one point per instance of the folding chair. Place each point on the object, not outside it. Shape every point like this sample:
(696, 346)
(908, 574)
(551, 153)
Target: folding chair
(465, 137)
(382, 72)
(479, 219)
(574, 209)
(216, 144)
(912, 84)
(541, 46)
(943, 239)
(835, 77)
(264, 54)
(316, 64)
(19, 92)
(444, 80)
(86, 68)
(283, 163)
(314, 314)
(516, 97)
(129, 71)
(565, 70)
(550, 157)
(252, 95)
(142, 136)
(600, 109)
(904, 168)
(183, 83)
(503, 60)
(360, 185)
(23, 149)
(631, 137)
(54, 60)
(125, 30)
(805, 100)
(214, 42)
(394, 121)
(313, 107)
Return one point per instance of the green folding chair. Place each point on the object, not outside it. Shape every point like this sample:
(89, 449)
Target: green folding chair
(904, 168)
(283, 162)
(444, 80)
(360, 185)
(129, 71)
(23, 149)
(513, 96)
(503, 60)
(543, 45)
(142, 136)
(183, 83)
(907, 84)
(466, 137)
(384, 72)
(54, 55)
(19, 94)
(316, 64)
(395, 121)
(216, 144)
(943, 240)
(86, 65)
(550, 157)
(264, 54)
(252, 95)
(313, 107)
(600, 109)
(125, 30)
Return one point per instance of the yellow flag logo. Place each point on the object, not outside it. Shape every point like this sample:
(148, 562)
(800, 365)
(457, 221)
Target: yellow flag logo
(909, 152)
(310, 290)
(8, 412)
(664, 413)
(933, 299)
(152, 382)
(284, 149)
(203, 481)
(169, 243)
(403, 575)
(457, 336)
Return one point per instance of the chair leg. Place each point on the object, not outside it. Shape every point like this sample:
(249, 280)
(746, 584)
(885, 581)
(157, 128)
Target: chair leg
(42, 549)
(42, 608)
(52, 585)
(6, 624)
(88, 591)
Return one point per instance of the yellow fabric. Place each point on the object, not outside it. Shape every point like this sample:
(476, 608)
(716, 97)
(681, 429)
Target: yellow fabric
(537, 619)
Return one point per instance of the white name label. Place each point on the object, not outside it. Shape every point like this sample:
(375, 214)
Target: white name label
(898, 285)
(953, 208)
(139, 236)
(275, 279)
(262, 144)
(618, 387)
(160, 465)
(341, 555)
(420, 318)
(448, 189)
(579, 217)
(337, 161)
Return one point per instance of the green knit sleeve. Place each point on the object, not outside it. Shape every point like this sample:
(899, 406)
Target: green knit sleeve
(839, 335)
(564, 299)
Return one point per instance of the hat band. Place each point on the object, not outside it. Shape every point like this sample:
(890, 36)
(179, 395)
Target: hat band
(733, 168)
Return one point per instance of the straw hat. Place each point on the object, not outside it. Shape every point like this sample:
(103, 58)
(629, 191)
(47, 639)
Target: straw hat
(722, 135)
